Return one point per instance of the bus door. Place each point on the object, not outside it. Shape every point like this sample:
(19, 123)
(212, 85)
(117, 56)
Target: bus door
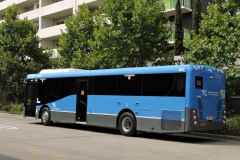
(30, 99)
(82, 100)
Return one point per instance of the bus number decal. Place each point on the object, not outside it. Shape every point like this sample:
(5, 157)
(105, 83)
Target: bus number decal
(181, 69)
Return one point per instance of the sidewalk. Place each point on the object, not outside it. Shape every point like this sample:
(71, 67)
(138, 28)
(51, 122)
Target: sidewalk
(1, 111)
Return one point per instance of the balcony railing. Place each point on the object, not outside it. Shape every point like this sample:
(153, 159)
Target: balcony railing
(31, 15)
(51, 31)
(92, 3)
(57, 7)
(3, 4)
(170, 4)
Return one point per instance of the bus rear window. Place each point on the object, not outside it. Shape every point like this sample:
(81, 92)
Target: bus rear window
(199, 82)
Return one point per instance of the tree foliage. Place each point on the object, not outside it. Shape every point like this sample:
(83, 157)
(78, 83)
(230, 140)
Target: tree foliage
(178, 45)
(228, 6)
(122, 33)
(197, 16)
(133, 33)
(19, 52)
(218, 44)
(75, 47)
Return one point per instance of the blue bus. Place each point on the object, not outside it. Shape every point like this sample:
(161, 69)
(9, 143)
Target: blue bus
(159, 99)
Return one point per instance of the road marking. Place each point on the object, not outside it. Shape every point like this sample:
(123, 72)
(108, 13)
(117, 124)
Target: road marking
(7, 127)
(59, 156)
(34, 150)
(226, 149)
(14, 145)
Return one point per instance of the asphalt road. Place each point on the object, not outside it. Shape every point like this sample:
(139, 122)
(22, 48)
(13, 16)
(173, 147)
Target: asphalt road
(26, 139)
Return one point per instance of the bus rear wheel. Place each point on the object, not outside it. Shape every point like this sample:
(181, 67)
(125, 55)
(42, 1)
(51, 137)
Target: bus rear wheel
(127, 124)
(46, 116)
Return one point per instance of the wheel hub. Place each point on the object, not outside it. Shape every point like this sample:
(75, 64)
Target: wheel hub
(45, 116)
(126, 124)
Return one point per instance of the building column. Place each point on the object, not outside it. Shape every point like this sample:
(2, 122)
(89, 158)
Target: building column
(75, 6)
(40, 21)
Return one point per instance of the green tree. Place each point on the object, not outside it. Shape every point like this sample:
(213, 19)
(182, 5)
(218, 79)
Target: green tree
(218, 44)
(197, 17)
(178, 45)
(75, 48)
(19, 53)
(229, 6)
(132, 33)
(122, 33)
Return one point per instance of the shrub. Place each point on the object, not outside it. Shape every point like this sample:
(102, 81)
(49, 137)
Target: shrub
(6, 108)
(13, 108)
(233, 125)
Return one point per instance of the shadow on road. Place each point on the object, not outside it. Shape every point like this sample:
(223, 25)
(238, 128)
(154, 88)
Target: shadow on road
(4, 157)
(176, 137)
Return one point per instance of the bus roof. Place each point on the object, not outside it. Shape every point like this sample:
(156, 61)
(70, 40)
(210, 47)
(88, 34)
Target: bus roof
(63, 73)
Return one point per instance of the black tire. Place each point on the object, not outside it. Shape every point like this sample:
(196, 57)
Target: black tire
(127, 124)
(46, 117)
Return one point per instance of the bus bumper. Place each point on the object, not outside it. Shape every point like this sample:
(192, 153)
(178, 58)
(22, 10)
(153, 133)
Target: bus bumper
(36, 113)
(206, 126)
(192, 125)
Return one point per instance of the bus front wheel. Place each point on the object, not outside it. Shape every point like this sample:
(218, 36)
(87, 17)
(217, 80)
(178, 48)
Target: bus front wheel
(127, 124)
(46, 116)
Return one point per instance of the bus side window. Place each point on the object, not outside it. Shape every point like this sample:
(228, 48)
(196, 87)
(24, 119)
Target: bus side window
(129, 85)
(66, 87)
(52, 93)
(105, 85)
(157, 84)
(180, 84)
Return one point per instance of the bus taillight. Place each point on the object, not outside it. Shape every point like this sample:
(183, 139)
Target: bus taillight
(224, 116)
(195, 117)
(194, 112)
(225, 113)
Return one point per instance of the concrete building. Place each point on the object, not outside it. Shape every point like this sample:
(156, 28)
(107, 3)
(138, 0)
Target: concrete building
(187, 7)
(50, 15)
